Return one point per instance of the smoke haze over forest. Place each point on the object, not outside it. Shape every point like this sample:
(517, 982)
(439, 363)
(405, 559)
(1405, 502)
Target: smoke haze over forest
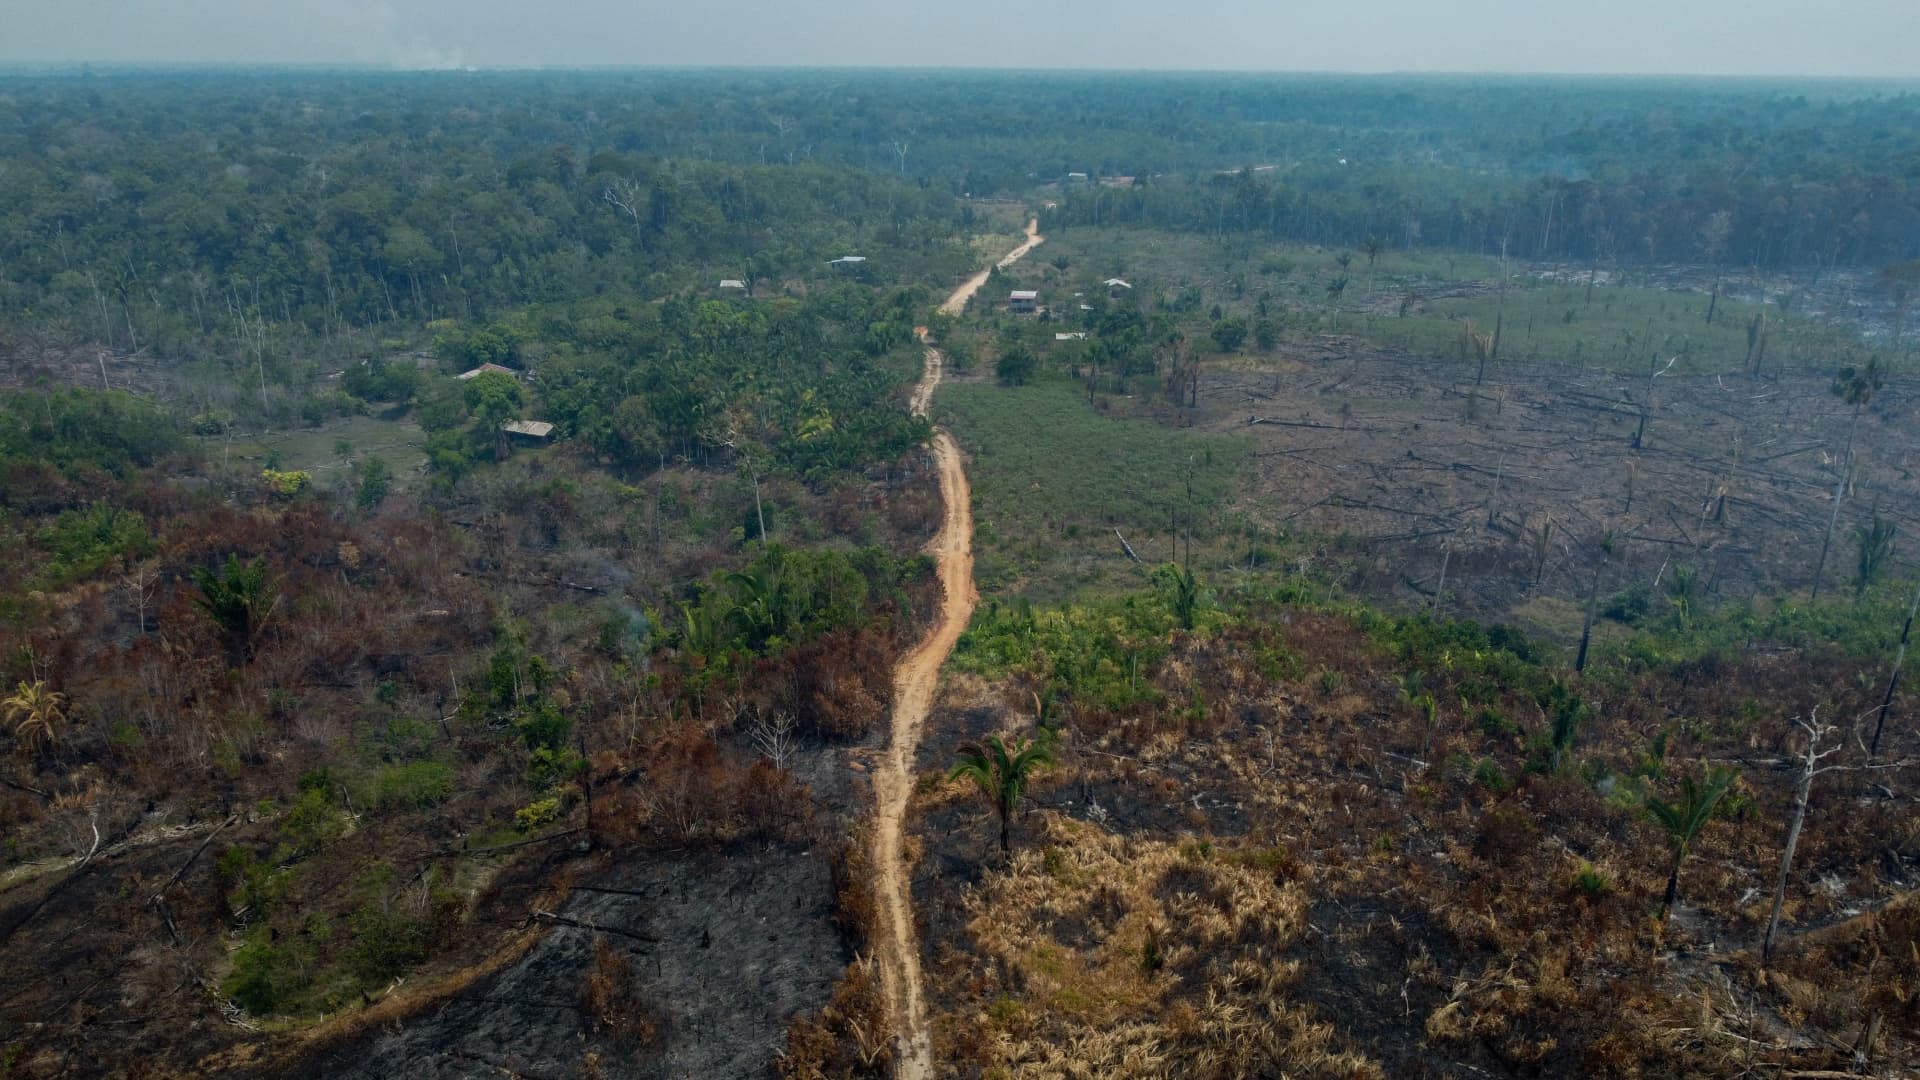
(1854, 38)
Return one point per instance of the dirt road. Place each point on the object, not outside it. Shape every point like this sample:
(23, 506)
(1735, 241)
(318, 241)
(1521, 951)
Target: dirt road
(913, 686)
(958, 302)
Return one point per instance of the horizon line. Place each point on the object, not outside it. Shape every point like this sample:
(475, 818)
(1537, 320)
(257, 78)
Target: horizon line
(85, 66)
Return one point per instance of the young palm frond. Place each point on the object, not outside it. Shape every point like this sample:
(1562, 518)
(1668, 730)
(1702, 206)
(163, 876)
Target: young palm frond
(36, 713)
(1001, 772)
(1683, 819)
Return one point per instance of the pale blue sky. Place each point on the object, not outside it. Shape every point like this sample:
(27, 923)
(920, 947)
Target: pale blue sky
(1739, 37)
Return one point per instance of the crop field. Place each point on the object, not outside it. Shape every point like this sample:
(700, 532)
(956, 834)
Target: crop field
(1053, 479)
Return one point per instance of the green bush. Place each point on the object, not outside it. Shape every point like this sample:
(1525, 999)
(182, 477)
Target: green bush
(83, 542)
(536, 814)
(386, 942)
(262, 979)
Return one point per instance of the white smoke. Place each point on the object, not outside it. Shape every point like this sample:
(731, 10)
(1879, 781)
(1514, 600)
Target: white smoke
(379, 36)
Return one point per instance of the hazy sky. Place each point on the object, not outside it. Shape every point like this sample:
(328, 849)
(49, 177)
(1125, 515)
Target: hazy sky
(1741, 37)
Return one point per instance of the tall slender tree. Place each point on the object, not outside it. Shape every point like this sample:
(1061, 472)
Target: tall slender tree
(1855, 386)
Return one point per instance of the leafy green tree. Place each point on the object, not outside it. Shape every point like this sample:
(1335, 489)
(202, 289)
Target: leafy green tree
(493, 398)
(376, 480)
(1229, 334)
(239, 597)
(1001, 772)
(1266, 336)
(1682, 820)
(1015, 367)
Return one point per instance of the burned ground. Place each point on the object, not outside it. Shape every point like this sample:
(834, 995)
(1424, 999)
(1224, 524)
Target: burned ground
(1484, 913)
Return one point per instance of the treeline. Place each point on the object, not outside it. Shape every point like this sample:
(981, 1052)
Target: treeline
(1685, 213)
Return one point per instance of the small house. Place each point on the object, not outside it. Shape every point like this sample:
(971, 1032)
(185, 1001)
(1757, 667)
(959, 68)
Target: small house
(732, 285)
(1070, 335)
(482, 370)
(1117, 288)
(533, 431)
(1023, 301)
(847, 262)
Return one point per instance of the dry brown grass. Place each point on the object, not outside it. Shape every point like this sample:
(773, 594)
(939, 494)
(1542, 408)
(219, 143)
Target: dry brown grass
(1110, 956)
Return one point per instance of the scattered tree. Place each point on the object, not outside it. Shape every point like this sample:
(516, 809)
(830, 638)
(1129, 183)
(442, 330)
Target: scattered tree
(1015, 367)
(1001, 772)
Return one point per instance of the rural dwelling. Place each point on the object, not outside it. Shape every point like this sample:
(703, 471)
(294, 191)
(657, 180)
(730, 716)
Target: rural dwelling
(1070, 335)
(732, 285)
(1117, 288)
(847, 262)
(1023, 301)
(482, 370)
(529, 431)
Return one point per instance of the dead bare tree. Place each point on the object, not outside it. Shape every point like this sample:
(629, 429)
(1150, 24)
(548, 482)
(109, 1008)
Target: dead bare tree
(623, 194)
(773, 735)
(140, 580)
(1654, 371)
(1817, 751)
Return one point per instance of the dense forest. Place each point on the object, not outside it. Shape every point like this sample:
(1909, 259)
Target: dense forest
(471, 537)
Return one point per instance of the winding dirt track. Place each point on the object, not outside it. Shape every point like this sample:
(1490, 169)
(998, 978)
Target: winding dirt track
(913, 686)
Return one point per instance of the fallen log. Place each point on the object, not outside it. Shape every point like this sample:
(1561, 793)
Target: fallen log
(562, 920)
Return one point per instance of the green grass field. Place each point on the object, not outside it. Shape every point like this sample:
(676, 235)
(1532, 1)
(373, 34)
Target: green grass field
(1620, 329)
(1052, 478)
(400, 443)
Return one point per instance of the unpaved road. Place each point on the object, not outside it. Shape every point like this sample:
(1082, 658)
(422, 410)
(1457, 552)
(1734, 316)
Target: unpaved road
(913, 686)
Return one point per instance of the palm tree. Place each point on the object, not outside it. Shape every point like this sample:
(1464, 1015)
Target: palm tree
(1855, 386)
(1683, 819)
(238, 597)
(1569, 709)
(36, 713)
(761, 607)
(1001, 772)
(1872, 544)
